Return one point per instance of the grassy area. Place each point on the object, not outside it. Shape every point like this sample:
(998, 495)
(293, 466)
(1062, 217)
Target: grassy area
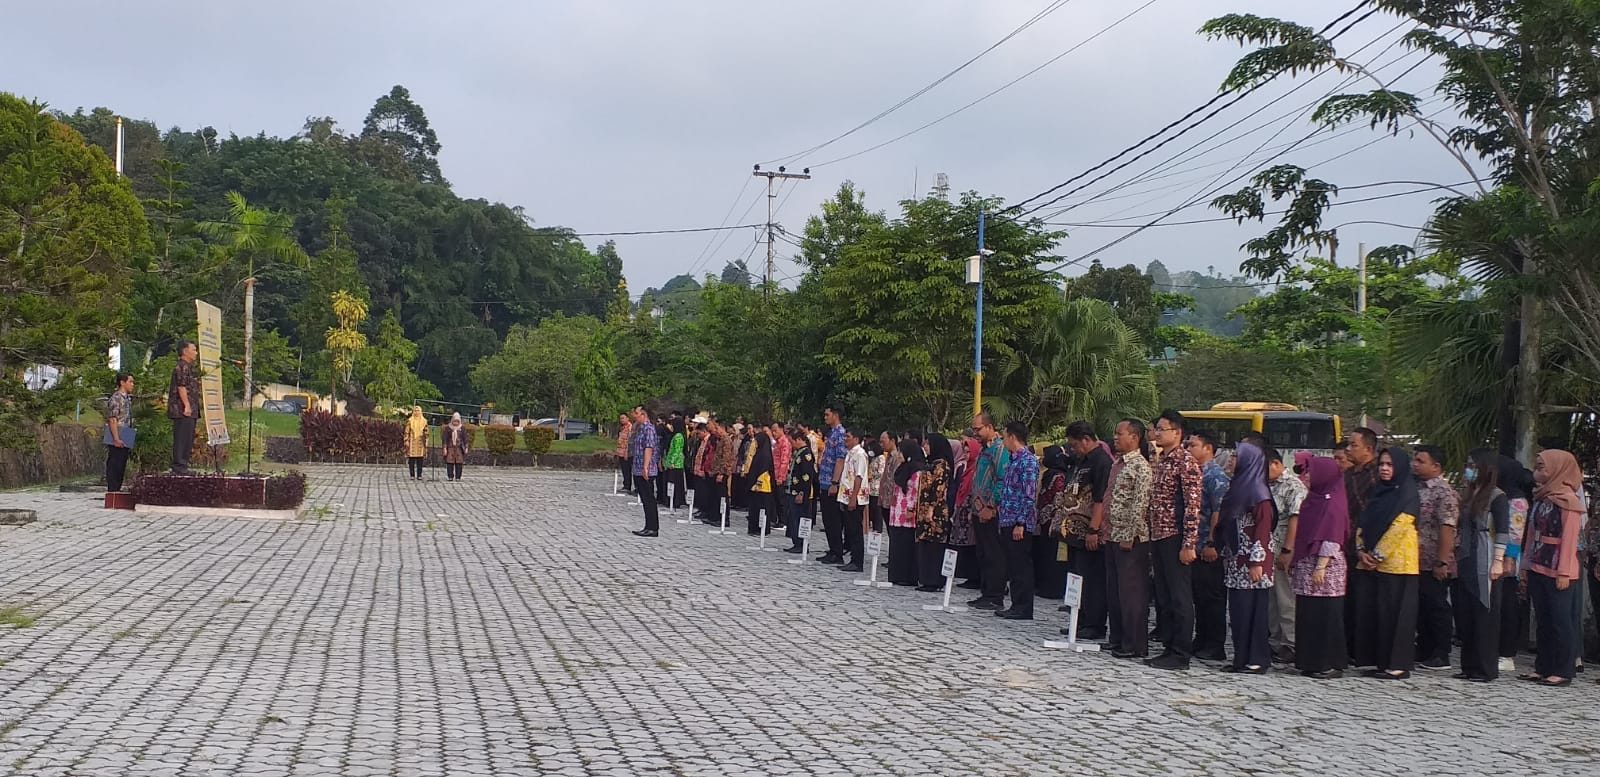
(584, 445)
(15, 618)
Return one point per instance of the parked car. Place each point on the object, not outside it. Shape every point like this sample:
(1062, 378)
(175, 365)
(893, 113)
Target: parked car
(280, 406)
(574, 428)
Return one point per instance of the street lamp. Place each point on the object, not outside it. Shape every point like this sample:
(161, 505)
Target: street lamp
(975, 278)
(658, 314)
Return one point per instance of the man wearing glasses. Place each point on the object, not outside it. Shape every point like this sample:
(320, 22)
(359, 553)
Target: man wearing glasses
(1174, 519)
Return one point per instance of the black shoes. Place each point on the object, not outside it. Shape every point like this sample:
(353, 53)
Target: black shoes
(1170, 661)
(831, 559)
(928, 589)
(1326, 674)
(971, 585)
(1013, 615)
(794, 549)
(1211, 655)
(981, 603)
(856, 567)
(646, 533)
(1435, 663)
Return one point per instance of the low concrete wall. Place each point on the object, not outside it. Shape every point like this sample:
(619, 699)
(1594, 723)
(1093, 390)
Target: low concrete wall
(65, 451)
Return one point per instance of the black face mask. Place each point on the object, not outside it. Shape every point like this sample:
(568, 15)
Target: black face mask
(1299, 469)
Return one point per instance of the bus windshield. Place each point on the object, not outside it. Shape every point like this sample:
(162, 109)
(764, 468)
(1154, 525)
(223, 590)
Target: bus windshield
(1299, 433)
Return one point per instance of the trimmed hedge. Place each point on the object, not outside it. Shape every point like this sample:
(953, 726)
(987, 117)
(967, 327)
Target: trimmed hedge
(283, 491)
(501, 440)
(537, 439)
(329, 437)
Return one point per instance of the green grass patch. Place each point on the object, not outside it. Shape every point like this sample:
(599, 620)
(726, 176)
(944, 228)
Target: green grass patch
(15, 618)
(584, 445)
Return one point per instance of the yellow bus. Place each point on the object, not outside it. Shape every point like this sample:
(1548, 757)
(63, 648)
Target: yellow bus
(1286, 427)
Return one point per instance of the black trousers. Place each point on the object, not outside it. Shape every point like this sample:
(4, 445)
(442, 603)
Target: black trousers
(625, 464)
(414, 466)
(1513, 621)
(832, 523)
(930, 559)
(1479, 627)
(1386, 622)
(1250, 626)
(1210, 606)
(902, 555)
(1049, 575)
(1128, 596)
(652, 517)
(739, 494)
(116, 467)
(854, 540)
(661, 488)
(1556, 634)
(1319, 633)
(758, 503)
(679, 498)
(1019, 570)
(879, 514)
(182, 443)
(1091, 566)
(797, 513)
(1174, 596)
(992, 559)
(1433, 617)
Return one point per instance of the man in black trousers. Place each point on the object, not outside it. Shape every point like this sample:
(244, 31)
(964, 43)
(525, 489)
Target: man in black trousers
(183, 405)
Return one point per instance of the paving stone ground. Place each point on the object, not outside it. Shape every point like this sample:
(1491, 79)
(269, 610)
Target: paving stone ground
(510, 625)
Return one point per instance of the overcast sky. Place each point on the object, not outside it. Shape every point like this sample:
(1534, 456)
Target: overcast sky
(614, 116)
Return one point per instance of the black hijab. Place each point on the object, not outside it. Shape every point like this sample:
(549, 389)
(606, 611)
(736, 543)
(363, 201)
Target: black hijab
(939, 450)
(1055, 457)
(763, 458)
(1389, 499)
(911, 448)
(1515, 480)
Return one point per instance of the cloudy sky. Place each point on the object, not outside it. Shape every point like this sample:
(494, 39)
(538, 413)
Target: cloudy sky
(616, 116)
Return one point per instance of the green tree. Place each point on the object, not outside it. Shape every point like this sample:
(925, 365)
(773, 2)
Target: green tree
(1132, 295)
(599, 396)
(843, 222)
(69, 232)
(736, 273)
(1080, 361)
(399, 121)
(903, 314)
(344, 339)
(536, 368)
(386, 367)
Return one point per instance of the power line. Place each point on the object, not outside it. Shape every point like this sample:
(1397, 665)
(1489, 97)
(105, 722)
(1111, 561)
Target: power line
(1219, 219)
(1158, 133)
(544, 231)
(1007, 85)
(1049, 9)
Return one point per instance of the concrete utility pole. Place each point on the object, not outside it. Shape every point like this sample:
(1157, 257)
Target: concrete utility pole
(804, 175)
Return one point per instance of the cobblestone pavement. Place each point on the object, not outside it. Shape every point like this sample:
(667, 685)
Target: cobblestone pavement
(510, 625)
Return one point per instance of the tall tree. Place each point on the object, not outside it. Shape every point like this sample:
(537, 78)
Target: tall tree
(69, 229)
(843, 222)
(1080, 361)
(736, 273)
(386, 365)
(399, 121)
(536, 368)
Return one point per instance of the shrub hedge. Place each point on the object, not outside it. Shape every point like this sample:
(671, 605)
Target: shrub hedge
(537, 439)
(283, 491)
(501, 440)
(343, 437)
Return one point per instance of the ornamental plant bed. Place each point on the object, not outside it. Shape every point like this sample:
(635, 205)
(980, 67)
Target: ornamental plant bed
(284, 491)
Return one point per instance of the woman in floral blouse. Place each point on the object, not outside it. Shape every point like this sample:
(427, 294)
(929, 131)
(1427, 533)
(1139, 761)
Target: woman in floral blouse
(1318, 570)
(1248, 515)
(903, 511)
(933, 513)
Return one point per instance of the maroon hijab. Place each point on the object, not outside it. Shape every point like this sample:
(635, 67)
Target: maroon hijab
(1325, 513)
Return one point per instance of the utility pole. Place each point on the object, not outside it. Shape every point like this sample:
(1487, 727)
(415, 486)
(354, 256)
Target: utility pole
(782, 173)
(1361, 302)
(975, 278)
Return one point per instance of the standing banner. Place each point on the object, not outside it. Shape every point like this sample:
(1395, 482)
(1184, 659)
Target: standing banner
(209, 342)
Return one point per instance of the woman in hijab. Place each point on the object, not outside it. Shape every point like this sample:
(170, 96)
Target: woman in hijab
(457, 441)
(1248, 518)
(1517, 483)
(802, 486)
(416, 442)
(903, 511)
(963, 519)
(677, 443)
(759, 475)
(1483, 534)
(1550, 568)
(933, 512)
(1056, 476)
(1386, 543)
(1319, 569)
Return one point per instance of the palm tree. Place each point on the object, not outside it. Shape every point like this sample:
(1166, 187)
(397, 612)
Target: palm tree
(1079, 362)
(250, 232)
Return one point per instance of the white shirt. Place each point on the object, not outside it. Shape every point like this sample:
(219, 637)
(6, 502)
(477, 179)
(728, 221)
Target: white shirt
(854, 477)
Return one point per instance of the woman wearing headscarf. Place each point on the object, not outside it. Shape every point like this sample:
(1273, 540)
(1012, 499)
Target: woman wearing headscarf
(1550, 568)
(963, 519)
(933, 512)
(1386, 543)
(1483, 534)
(416, 442)
(1248, 516)
(802, 486)
(758, 473)
(1056, 475)
(457, 442)
(903, 511)
(1517, 483)
(1318, 570)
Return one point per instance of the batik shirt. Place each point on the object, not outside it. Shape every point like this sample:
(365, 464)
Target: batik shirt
(1214, 486)
(1176, 489)
(1130, 496)
(832, 454)
(644, 439)
(1441, 507)
(990, 469)
(1019, 492)
(933, 508)
(1288, 493)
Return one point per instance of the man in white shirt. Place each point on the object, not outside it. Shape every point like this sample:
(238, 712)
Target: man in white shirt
(855, 493)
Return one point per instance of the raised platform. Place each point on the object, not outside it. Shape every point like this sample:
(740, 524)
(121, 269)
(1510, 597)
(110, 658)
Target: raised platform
(220, 512)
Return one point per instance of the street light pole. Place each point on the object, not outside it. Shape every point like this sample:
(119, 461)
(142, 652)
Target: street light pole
(975, 277)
